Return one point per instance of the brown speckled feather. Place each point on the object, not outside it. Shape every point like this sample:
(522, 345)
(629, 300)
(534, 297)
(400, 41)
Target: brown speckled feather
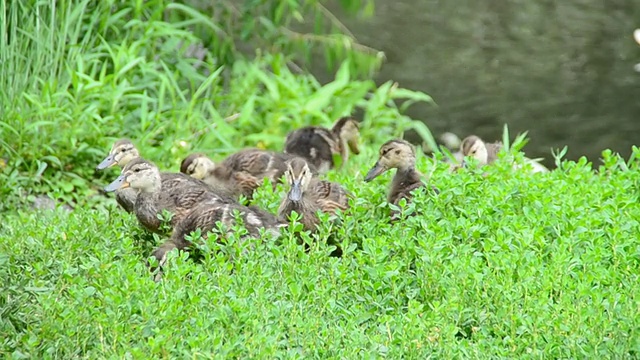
(315, 144)
(243, 172)
(205, 216)
(330, 196)
(178, 200)
(176, 193)
(245, 183)
(314, 195)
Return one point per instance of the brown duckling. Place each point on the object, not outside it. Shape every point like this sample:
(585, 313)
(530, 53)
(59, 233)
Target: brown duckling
(121, 153)
(307, 195)
(177, 193)
(487, 153)
(205, 217)
(398, 154)
(240, 173)
(318, 145)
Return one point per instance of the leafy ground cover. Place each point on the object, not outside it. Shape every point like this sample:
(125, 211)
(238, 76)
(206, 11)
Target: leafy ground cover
(504, 265)
(510, 265)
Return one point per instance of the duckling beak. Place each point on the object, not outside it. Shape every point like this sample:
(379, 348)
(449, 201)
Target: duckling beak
(119, 183)
(109, 161)
(376, 170)
(295, 194)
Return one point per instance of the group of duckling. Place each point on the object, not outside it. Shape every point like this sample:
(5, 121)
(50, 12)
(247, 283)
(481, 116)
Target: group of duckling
(205, 194)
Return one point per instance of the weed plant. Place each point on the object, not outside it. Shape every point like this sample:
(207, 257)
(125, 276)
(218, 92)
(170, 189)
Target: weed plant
(81, 74)
(507, 265)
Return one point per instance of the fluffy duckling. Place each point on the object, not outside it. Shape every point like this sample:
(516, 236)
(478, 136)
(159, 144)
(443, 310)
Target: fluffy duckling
(487, 153)
(121, 153)
(307, 195)
(240, 173)
(205, 217)
(177, 194)
(398, 154)
(318, 145)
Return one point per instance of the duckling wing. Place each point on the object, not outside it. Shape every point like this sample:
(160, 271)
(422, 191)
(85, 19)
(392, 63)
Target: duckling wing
(203, 217)
(245, 183)
(174, 180)
(249, 160)
(315, 144)
(182, 200)
(330, 196)
(258, 163)
(206, 215)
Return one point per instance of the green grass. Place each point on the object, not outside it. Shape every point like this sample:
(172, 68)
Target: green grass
(510, 265)
(82, 74)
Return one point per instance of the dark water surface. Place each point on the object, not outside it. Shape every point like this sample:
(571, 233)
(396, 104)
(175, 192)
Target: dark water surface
(562, 70)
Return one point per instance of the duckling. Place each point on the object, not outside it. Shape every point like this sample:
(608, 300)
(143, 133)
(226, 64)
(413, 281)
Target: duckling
(536, 167)
(177, 193)
(487, 153)
(121, 153)
(398, 154)
(240, 173)
(318, 145)
(307, 195)
(205, 217)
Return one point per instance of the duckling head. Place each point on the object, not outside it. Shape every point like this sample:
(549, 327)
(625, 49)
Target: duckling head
(138, 174)
(394, 154)
(298, 176)
(122, 152)
(450, 140)
(197, 166)
(474, 146)
(348, 129)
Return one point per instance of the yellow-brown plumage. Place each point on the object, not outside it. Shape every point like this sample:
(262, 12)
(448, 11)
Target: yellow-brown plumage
(400, 155)
(177, 193)
(307, 195)
(240, 173)
(318, 145)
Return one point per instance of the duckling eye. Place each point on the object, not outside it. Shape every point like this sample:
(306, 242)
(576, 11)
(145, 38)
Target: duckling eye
(398, 152)
(136, 170)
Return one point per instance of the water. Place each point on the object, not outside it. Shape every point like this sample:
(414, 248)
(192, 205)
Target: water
(564, 71)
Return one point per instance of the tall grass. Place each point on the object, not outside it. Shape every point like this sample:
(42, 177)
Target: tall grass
(81, 74)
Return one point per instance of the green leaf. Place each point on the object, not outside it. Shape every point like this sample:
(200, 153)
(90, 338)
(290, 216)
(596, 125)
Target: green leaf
(321, 98)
